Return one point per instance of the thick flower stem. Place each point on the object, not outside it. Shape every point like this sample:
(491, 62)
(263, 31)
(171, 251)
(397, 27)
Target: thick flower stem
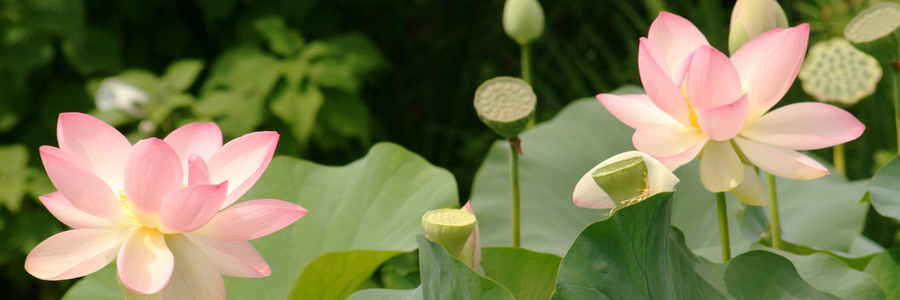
(838, 154)
(514, 151)
(894, 71)
(526, 63)
(775, 225)
(723, 226)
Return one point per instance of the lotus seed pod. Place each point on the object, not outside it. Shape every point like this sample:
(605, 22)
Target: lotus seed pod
(523, 20)
(623, 181)
(751, 18)
(449, 227)
(835, 71)
(876, 31)
(505, 104)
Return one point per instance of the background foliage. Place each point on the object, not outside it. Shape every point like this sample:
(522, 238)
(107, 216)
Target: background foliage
(337, 77)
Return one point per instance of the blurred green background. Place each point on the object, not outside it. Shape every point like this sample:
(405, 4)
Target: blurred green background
(333, 77)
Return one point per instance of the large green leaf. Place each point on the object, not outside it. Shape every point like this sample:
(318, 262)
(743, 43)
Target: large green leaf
(386, 294)
(375, 203)
(526, 274)
(637, 254)
(885, 268)
(445, 277)
(823, 213)
(336, 275)
(884, 190)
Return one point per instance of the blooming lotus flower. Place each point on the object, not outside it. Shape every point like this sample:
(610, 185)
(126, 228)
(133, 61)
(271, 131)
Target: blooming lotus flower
(159, 208)
(751, 18)
(653, 179)
(699, 101)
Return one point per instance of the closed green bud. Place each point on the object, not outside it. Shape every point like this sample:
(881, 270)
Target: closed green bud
(751, 18)
(523, 20)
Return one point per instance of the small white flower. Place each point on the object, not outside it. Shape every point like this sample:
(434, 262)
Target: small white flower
(117, 94)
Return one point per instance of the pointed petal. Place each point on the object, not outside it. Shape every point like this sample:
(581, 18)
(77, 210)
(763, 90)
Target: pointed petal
(750, 191)
(711, 80)
(145, 263)
(198, 171)
(70, 215)
(99, 148)
(194, 276)
(721, 169)
(677, 160)
(724, 122)
(74, 253)
(202, 139)
(232, 258)
(152, 171)
(781, 162)
(83, 189)
(665, 141)
(635, 111)
(242, 161)
(190, 208)
(662, 90)
(768, 66)
(805, 126)
(474, 240)
(588, 194)
(251, 219)
(676, 37)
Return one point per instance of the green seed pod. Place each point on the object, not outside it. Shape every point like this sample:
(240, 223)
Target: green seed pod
(506, 105)
(449, 227)
(624, 181)
(835, 71)
(523, 20)
(876, 31)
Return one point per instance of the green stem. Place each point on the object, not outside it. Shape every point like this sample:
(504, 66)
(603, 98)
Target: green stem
(514, 191)
(526, 63)
(895, 93)
(723, 226)
(775, 225)
(838, 155)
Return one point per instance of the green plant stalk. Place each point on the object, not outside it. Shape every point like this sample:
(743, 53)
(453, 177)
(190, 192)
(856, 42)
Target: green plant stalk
(838, 154)
(723, 226)
(775, 222)
(894, 70)
(514, 192)
(526, 63)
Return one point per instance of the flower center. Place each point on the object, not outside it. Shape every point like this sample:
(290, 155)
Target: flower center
(693, 115)
(125, 204)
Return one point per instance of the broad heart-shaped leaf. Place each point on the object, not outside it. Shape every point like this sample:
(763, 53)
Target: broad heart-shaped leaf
(445, 277)
(336, 275)
(526, 274)
(375, 203)
(386, 294)
(637, 254)
(823, 212)
(885, 268)
(884, 190)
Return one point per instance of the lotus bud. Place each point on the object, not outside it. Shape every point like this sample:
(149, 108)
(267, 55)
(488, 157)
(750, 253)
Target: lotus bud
(523, 20)
(751, 18)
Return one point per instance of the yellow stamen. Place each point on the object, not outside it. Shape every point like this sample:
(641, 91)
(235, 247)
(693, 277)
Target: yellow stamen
(693, 115)
(125, 204)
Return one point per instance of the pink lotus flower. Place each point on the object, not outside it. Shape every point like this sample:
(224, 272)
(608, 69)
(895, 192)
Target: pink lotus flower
(701, 101)
(157, 208)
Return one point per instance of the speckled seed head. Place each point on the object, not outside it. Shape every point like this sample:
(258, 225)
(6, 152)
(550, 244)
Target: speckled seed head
(835, 71)
(876, 31)
(506, 105)
(449, 227)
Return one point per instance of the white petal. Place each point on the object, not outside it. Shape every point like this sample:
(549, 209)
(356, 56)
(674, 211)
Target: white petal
(145, 262)
(781, 162)
(750, 191)
(232, 258)
(194, 276)
(720, 167)
(74, 253)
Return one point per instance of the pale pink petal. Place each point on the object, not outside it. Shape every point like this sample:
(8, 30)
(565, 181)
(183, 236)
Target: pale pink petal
(781, 162)
(677, 160)
(662, 90)
(665, 141)
(152, 171)
(635, 111)
(750, 191)
(232, 258)
(711, 80)
(145, 263)
(242, 161)
(724, 122)
(589, 194)
(202, 139)
(721, 169)
(251, 219)
(198, 171)
(189, 208)
(79, 186)
(676, 37)
(805, 126)
(474, 240)
(74, 253)
(65, 212)
(774, 69)
(99, 147)
(746, 58)
(194, 276)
